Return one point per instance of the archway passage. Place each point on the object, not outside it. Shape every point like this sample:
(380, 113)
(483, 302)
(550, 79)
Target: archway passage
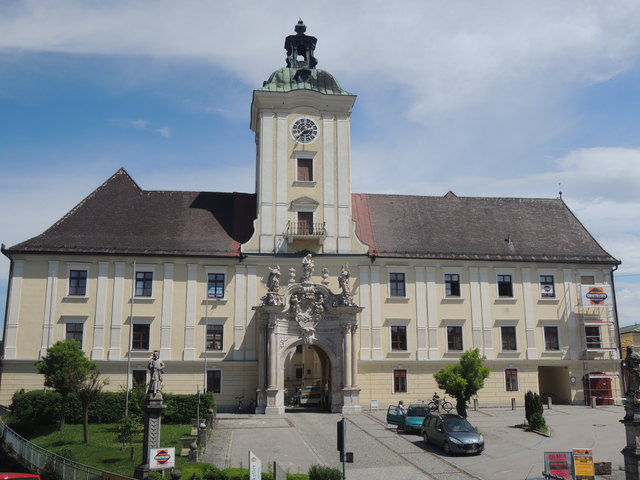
(307, 373)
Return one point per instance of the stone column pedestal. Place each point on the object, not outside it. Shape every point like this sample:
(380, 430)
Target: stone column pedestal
(272, 407)
(351, 400)
(152, 408)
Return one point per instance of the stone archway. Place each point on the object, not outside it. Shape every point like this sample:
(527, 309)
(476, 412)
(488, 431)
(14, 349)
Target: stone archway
(309, 313)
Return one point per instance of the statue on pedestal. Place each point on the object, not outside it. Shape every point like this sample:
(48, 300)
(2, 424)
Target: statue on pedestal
(307, 268)
(631, 364)
(156, 369)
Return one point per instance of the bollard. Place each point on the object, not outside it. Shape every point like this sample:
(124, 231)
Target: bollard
(593, 402)
(193, 452)
(176, 474)
(513, 404)
(475, 404)
(549, 402)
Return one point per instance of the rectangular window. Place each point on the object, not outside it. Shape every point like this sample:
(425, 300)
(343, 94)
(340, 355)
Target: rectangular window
(508, 338)
(78, 282)
(74, 332)
(505, 286)
(592, 335)
(144, 281)
(397, 285)
(399, 381)
(214, 381)
(587, 280)
(454, 339)
(452, 284)
(547, 288)
(551, 340)
(299, 372)
(511, 379)
(215, 285)
(305, 170)
(140, 336)
(215, 337)
(399, 338)
(139, 378)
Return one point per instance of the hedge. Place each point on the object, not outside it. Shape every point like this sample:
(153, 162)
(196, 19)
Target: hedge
(43, 407)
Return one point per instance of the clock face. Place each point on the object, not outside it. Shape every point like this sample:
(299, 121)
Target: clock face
(304, 130)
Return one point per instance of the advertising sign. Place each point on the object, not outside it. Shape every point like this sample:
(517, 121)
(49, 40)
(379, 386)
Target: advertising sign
(583, 464)
(161, 458)
(595, 296)
(559, 464)
(255, 467)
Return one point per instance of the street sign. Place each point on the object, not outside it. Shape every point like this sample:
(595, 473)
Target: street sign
(255, 467)
(162, 458)
(583, 464)
(559, 464)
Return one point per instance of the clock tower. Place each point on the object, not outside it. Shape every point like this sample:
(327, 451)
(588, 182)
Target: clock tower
(301, 119)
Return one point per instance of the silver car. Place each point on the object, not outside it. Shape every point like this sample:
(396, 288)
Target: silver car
(451, 432)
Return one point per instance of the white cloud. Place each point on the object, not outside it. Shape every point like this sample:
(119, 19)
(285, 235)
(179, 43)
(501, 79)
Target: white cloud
(141, 125)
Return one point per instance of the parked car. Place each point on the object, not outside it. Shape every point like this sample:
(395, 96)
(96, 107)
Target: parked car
(451, 432)
(411, 421)
(23, 476)
(310, 396)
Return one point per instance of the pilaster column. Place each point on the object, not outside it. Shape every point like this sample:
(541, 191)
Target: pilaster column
(347, 354)
(272, 351)
(354, 357)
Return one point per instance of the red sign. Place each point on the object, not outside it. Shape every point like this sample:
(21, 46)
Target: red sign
(559, 464)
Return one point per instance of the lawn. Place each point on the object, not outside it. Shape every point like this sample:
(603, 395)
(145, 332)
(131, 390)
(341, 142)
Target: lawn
(103, 450)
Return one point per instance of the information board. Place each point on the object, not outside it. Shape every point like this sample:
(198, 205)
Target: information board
(583, 464)
(161, 458)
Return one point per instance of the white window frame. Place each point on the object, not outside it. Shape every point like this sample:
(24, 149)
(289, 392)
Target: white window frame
(506, 271)
(451, 271)
(77, 266)
(142, 321)
(307, 156)
(515, 326)
(396, 322)
(553, 274)
(504, 379)
(146, 269)
(405, 271)
(216, 321)
(75, 319)
(215, 269)
(393, 378)
(221, 382)
(544, 338)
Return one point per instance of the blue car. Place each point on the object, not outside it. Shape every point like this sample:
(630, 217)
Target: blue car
(411, 421)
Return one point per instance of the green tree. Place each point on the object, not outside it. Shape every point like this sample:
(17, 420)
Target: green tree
(65, 367)
(462, 380)
(88, 391)
(128, 428)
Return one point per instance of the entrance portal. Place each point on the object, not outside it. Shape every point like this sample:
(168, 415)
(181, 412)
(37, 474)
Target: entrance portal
(311, 318)
(307, 372)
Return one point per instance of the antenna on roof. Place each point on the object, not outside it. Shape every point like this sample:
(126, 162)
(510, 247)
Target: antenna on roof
(560, 190)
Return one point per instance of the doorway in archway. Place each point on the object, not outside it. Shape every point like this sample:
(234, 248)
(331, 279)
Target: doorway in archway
(307, 374)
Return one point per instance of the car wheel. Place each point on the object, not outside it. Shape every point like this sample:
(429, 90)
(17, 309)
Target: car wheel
(446, 448)
(425, 438)
(400, 428)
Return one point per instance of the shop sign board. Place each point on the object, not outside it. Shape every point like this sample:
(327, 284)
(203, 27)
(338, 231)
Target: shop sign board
(162, 458)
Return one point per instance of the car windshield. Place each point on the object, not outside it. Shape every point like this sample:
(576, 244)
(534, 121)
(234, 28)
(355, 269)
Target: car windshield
(457, 425)
(417, 411)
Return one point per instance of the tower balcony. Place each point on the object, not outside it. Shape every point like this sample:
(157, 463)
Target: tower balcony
(305, 231)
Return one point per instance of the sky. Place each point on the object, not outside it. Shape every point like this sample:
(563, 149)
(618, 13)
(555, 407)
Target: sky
(492, 99)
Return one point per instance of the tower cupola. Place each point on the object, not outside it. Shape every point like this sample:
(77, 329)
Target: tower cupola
(300, 48)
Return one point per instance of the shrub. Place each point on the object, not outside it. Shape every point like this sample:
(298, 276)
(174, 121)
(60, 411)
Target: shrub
(532, 405)
(320, 472)
(537, 422)
(36, 407)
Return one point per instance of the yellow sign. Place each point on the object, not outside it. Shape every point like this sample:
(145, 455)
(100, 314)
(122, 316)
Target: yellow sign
(583, 464)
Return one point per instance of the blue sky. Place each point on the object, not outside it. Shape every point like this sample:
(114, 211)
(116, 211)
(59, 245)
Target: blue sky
(503, 99)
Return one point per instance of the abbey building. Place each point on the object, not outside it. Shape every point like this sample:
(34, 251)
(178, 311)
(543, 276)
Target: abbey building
(359, 298)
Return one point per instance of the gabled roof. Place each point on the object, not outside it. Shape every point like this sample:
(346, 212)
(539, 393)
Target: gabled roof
(120, 218)
(472, 228)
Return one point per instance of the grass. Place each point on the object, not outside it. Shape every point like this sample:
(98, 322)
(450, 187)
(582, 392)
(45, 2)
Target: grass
(103, 450)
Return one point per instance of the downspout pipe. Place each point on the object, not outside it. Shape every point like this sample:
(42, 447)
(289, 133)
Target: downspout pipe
(6, 303)
(615, 319)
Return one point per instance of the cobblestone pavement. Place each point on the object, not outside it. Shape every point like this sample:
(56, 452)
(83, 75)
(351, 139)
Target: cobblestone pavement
(300, 439)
